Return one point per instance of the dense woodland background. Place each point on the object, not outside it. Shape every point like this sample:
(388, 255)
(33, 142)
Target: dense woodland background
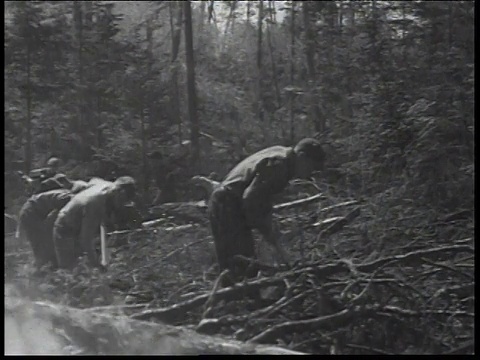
(103, 85)
(163, 91)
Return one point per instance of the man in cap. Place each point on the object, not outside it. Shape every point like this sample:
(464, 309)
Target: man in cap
(244, 199)
(47, 178)
(79, 221)
(36, 218)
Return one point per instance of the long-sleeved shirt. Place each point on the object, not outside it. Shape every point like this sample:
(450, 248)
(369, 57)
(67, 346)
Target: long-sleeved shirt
(84, 214)
(258, 178)
(44, 203)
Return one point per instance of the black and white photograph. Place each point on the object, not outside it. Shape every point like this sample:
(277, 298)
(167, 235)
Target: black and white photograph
(239, 177)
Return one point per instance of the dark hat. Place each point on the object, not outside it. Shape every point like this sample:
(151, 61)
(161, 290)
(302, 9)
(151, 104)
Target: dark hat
(311, 148)
(125, 180)
(127, 183)
(53, 161)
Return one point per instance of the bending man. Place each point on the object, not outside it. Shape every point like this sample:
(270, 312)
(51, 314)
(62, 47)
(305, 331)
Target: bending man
(36, 220)
(78, 223)
(244, 199)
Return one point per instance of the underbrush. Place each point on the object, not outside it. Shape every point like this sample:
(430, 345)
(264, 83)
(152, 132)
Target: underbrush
(377, 275)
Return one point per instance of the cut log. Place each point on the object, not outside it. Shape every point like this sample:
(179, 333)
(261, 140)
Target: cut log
(44, 328)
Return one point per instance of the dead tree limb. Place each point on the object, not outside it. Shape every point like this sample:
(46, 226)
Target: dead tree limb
(74, 331)
(298, 202)
(329, 322)
(415, 256)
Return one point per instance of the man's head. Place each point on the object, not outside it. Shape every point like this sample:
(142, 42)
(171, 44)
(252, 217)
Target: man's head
(124, 191)
(53, 163)
(309, 157)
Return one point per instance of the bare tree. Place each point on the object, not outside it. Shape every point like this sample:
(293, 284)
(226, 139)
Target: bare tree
(28, 96)
(270, 22)
(230, 22)
(315, 114)
(259, 63)
(78, 21)
(176, 31)
(292, 74)
(192, 96)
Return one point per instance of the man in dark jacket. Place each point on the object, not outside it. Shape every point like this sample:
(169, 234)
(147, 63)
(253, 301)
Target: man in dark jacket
(79, 222)
(244, 199)
(46, 179)
(36, 219)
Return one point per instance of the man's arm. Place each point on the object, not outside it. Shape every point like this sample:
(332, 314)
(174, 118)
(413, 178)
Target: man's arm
(50, 184)
(257, 201)
(92, 218)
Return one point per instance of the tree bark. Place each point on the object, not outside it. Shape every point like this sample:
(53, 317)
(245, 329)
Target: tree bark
(77, 14)
(192, 96)
(144, 153)
(292, 75)
(259, 67)
(315, 114)
(272, 58)
(28, 95)
(230, 21)
(176, 31)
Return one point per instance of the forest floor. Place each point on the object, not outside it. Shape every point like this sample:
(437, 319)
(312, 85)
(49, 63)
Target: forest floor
(344, 294)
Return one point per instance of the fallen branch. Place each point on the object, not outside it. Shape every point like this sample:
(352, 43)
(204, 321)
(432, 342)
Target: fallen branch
(150, 226)
(346, 203)
(466, 347)
(447, 267)
(368, 348)
(209, 303)
(113, 308)
(408, 312)
(328, 322)
(212, 325)
(180, 249)
(414, 256)
(339, 224)
(295, 203)
(169, 314)
(65, 330)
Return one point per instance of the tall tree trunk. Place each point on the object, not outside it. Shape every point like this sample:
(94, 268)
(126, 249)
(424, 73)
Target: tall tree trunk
(350, 27)
(340, 18)
(144, 153)
(28, 96)
(278, 99)
(202, 16)
(230, 21)
(315, 114)
(332, 25)
(192, 96)
(211, 14)
(373, 36)
(176, 31)
(98, 123)
(259, 66)
(201, 29)
(77, 15)
(232, 24)
(153, 127)
(292, 75)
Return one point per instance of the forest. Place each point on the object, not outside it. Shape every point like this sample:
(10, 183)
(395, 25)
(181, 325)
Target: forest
(162, 90)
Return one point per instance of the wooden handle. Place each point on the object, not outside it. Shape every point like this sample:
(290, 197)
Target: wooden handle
(103, 245)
